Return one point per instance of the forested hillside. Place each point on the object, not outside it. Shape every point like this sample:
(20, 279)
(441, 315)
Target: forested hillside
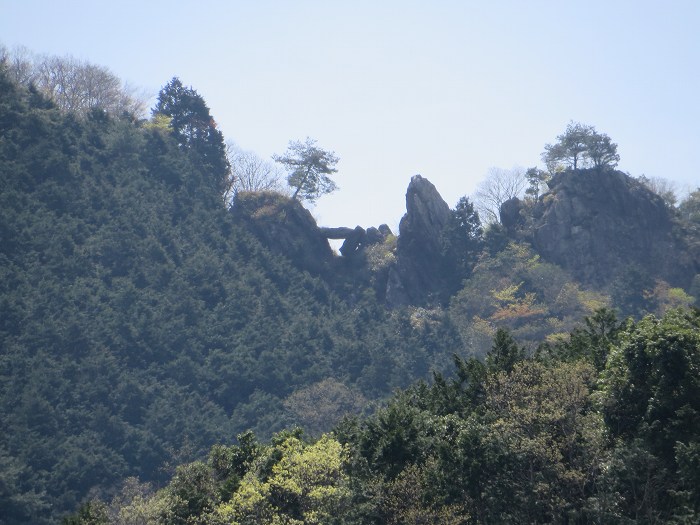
(604, 428)
(141, 324)
(151, 311)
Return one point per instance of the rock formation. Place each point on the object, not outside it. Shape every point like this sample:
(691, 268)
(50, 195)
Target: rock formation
(597, 223)
(284, 226)
(511, 214)
(417, 276)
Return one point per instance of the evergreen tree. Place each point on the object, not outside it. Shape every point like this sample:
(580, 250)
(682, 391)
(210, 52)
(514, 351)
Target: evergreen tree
(505, 352)
(195, 130)
(461, 242)
(578, 147)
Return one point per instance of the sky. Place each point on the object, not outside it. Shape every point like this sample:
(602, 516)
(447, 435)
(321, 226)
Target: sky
(445, 89)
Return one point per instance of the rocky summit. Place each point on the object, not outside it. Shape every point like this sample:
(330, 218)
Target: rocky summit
(597, 224)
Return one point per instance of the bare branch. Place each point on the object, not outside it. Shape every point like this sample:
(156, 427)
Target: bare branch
(498, 186)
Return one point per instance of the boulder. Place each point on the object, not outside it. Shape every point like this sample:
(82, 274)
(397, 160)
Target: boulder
(385, 230)
(374, 236)
(511, 218)
(353, 242)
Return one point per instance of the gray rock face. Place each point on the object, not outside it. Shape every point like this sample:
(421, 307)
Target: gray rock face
(341, 232)
(596, 224)
(354, 241)
(426, 214)
(417, 275)
(510, 214)
(357, 238)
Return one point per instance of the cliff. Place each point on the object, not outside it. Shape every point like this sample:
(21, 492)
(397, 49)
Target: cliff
(596, 224)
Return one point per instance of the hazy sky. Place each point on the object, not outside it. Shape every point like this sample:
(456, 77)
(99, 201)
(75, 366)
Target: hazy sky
(446, 89)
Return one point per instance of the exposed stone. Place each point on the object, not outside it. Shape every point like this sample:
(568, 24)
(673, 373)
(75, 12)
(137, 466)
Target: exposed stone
(597, 223)
(395, 294)
(356, 238)
(385, 230)
(511, 218)
(374, 236)
(418, 247)
(336, 233)
(353, 242)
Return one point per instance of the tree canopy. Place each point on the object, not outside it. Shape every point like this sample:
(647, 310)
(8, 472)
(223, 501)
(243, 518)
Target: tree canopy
(515, 438)
(581, 146)
(195, 130)
(461, 243)
(309, 168)
(75, 86)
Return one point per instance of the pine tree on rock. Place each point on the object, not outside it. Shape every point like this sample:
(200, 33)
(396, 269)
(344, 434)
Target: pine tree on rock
(309, 169)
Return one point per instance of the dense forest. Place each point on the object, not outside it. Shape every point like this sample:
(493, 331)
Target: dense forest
(176, 347)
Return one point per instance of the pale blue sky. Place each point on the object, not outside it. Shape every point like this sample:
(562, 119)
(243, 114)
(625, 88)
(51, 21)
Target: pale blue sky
(446, 89)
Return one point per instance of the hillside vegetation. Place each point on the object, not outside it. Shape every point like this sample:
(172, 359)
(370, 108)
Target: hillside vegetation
(161, 333)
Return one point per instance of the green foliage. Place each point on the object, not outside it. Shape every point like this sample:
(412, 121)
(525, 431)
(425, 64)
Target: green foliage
(461, 244)
(591, 342)
(194, 130)
(309, 169)
(580, 146)
(536, 179)
(511, 440)
(514, 289)
(651, 402)
(305, 484)
(504, 353)
(141, 324)
(650, 381)
(689, 208)
(547, 444)
(90, 513)
(632, 292)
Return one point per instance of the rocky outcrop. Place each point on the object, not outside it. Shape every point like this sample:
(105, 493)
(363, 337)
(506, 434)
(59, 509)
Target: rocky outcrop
(356, 238)
(340, 232)
(417, 276)
(596, 224)
(285, 227)
(511, 214)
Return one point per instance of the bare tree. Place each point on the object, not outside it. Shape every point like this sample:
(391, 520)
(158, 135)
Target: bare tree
(664, 188)
(250, 172)
(498, 186)
(79, 87)
(74, 85)
(19, 64)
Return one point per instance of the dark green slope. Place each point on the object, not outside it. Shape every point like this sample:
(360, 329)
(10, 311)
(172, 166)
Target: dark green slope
(139, 324)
